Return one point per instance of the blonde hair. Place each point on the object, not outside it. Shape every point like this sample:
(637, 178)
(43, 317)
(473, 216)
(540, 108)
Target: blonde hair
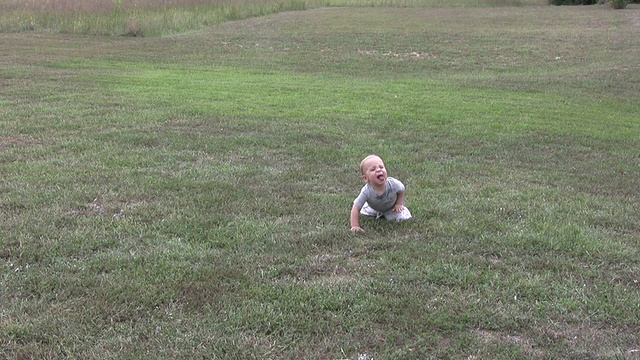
(365, 160)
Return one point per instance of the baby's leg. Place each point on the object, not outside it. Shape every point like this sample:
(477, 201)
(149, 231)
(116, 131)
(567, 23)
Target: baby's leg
(368, 211)
(403, 215)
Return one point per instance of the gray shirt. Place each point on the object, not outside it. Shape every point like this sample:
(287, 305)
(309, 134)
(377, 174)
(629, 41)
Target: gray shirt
(381, 203)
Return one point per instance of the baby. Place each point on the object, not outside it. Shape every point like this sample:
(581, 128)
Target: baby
(380, 196)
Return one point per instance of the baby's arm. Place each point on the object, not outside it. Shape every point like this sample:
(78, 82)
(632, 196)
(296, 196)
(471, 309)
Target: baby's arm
(355, 219)
(399, 205)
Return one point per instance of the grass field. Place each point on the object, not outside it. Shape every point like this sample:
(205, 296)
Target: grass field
(188, 195)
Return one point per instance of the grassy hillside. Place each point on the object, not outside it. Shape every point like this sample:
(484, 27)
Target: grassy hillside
(187, 196)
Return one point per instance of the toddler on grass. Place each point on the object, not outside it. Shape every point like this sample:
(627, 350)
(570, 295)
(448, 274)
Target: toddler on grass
(381, 196)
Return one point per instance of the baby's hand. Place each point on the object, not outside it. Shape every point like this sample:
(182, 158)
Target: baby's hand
(357, 230)
(398, 208)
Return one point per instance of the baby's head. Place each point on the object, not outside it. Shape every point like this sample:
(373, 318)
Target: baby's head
(373, 171)
(368, 161)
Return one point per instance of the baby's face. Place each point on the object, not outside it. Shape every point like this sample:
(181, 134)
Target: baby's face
(374, 171)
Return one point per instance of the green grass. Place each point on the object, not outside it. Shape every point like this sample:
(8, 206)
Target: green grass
(188, 195)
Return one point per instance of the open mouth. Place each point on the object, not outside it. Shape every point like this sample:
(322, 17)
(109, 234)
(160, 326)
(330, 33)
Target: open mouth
(381, 177)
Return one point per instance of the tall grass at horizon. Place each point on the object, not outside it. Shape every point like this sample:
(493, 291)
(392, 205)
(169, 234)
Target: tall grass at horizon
(163, 17)
(131, 17)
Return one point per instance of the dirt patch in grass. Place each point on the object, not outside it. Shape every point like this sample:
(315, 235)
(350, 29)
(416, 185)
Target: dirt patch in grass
(599, 343)
(502, 339)
(17, 141)
(102, 206)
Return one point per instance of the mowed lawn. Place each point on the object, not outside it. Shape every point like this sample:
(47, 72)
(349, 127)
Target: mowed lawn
(188, 196)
